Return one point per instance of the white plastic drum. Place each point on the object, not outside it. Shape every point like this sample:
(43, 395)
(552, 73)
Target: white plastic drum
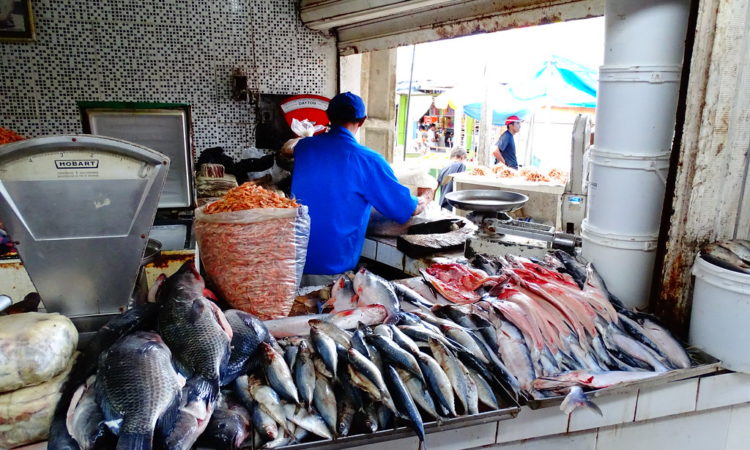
(625, 263)
(626, 192)
(645, 31)
(721, 313)
(636, 108)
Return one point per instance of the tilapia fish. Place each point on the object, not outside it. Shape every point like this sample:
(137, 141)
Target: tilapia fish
(136, 386)
(195, 330)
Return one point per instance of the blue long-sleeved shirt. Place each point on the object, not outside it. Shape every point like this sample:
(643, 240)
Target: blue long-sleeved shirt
(339, 180)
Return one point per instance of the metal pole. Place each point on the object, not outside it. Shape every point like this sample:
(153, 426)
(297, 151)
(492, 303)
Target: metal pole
(408, 99)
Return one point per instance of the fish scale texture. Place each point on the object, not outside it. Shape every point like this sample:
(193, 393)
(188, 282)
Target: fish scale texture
(139, 382)
(199, 345)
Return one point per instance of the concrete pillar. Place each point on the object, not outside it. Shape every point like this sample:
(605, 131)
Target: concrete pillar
(373, 77)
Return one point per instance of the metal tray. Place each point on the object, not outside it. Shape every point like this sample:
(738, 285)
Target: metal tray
(405, 432)
(706, 364)
(486, 200)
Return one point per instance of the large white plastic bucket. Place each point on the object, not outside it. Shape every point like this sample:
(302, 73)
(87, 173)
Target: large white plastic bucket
(626, 192)
(625, 263)
(645, 31)
(720, 319)
(636, 108)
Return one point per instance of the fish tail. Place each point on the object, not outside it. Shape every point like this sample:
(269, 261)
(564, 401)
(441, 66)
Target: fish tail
(576, 398)
(135, 441)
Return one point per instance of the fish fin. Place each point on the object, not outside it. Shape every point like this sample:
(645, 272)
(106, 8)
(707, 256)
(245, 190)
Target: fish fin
(135, 441)
(196, 311)
(199, 388)
(577, 398)
(166, 423)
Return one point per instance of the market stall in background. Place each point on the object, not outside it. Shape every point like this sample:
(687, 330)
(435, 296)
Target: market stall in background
(152, 253)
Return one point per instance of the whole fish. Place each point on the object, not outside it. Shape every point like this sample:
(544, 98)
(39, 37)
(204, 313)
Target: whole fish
(725, 258)
(342, 337)
(304, 374)
(370, 417)
(229, 425)
(196, 332)
(326, 348)
(484, 390)
(463, 386)
(590, 380)
(418, 392)
(265, 424)
(409, 295)
(252, 390)
(374, 290)
(346, 413)
(278, 374)
(310, 421)
(437, 382)
(140, 317)
(392, 352)
(85, 420)
(134, 407)
(247, 333)
(290, 354)
(359, 365)
(325, 401)
(670, 348)
(742, 251)
(404, 402)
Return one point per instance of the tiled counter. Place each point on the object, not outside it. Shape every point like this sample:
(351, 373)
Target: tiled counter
(710, 412)
(384, 251)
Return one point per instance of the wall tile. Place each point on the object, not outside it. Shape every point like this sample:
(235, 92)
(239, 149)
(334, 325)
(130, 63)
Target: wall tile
(723, 390)
(616, 409)
(531, 423)
(739, 431)
(179, 51)
(672, 398)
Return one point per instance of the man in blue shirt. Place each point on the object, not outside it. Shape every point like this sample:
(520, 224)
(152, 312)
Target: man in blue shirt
(340, 181)
(505, 149)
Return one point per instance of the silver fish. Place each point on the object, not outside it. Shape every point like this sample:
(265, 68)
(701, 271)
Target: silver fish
(278, 374)
(374, 290)
(311, 422)
(325, 401)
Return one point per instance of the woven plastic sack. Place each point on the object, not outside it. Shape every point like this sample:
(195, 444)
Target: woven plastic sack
(255, 257)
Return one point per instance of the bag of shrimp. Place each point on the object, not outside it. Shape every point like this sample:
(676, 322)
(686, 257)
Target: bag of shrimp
(253, 244)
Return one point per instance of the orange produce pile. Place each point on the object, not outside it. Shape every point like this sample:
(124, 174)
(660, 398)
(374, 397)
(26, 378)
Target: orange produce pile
(8, 136)
(533, 175)
(249, 196)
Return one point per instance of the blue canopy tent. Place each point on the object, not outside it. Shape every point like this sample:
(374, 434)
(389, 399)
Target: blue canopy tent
(560, 82)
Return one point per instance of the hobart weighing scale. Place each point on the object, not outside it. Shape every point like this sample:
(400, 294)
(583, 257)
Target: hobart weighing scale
(498, 233)
(80, 209)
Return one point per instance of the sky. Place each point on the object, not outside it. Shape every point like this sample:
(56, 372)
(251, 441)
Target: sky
(514, 54)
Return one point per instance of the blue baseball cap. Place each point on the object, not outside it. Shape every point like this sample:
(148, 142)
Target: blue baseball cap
(346, 106)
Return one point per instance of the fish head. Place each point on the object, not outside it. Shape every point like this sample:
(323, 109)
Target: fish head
(186, 283)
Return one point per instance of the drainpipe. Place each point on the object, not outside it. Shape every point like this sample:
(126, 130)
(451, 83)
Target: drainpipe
(635, 120)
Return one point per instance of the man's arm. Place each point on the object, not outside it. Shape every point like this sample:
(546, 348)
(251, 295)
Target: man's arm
(499, 156)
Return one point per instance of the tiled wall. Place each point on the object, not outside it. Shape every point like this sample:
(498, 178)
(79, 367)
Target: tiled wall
(161, 51)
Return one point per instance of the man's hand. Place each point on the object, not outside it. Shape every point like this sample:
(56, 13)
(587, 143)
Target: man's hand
(422, 202)
(498, 156)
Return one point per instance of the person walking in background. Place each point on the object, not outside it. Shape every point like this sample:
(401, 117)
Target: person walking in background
(458, 156)
(505, 149)
(432, 137)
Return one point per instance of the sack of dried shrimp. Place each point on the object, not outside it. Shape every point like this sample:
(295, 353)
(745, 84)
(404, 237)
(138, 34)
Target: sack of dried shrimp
(253, 244)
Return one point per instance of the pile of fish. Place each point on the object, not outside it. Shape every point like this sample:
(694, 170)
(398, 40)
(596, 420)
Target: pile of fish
(552, 323)
(732, 255)
(181, 372)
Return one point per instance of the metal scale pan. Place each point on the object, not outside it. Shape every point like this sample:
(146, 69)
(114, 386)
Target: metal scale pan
(488, 200)
(80, 209)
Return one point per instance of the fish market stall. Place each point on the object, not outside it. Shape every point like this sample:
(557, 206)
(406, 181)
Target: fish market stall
(224, 362)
